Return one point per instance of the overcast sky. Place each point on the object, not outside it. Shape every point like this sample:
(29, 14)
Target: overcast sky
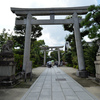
(54, 35)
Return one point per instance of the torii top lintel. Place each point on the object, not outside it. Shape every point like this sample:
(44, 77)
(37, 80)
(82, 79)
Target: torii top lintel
(50, 11)
(51, 47)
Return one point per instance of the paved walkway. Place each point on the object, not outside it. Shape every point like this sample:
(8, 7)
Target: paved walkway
(54, 84)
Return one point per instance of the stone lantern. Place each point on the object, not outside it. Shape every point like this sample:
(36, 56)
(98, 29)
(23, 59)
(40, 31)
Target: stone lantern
(7, 64)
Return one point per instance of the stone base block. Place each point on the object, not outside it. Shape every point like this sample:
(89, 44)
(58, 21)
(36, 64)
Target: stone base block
(82, 74)
(7, 78)
(97, 80)
(98, 75)
(7, 71)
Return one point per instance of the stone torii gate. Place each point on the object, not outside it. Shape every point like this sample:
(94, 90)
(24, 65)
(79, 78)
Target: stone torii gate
(53, 48)
(52, 12)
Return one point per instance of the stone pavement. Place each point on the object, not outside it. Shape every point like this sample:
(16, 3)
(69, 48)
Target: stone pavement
(54, 84)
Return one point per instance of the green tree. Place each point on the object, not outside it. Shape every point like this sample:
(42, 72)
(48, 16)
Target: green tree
(4, 36)
(35, 31)
(36, 54)
(54, 55)
(90, 57)
(67, 58)
(71, 55)
(91, 22)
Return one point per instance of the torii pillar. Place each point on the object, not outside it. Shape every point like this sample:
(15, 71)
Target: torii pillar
(44, 57)
(58, 57)
(81, 63)
(26, 58)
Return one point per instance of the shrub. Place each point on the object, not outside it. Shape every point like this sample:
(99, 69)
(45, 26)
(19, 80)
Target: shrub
(19, 62)
(75, 66)
(90, 57)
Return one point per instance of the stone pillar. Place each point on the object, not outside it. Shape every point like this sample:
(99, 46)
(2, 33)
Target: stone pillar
(44, 57)
(58, 57)
(97, 63)
(81, 63)
(26, 58)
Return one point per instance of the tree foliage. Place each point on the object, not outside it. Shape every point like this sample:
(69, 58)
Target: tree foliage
(90, 57)
(36, 54)
(54, 55)
(35, 30)
(92, 22)
(4, 36)
(71, 55)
